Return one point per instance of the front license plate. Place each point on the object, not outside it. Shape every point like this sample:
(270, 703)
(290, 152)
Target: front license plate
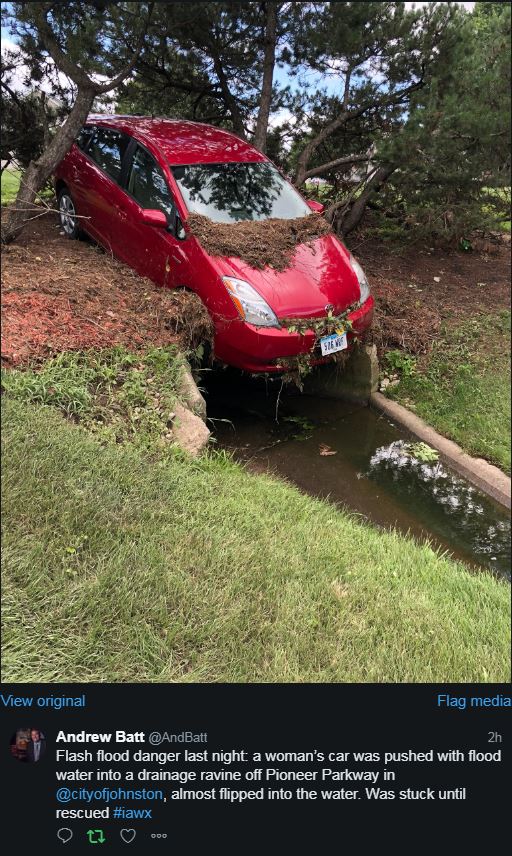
(334, 342)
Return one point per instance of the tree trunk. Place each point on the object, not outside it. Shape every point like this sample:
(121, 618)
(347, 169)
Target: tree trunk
(355, 215)
(39, 171)
(229, 99)
(260, 133)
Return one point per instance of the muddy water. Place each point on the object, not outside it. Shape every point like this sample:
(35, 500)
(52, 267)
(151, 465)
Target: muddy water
(371, 472)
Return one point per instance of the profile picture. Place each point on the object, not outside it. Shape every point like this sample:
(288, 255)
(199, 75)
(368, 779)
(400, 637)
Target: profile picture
(28, 745)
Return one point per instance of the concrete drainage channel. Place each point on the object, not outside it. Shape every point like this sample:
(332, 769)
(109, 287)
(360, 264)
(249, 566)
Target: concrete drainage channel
(357, 456)
(360, 382)
(482, 474)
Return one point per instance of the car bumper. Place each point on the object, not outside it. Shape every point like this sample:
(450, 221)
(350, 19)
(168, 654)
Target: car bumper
(259, 349)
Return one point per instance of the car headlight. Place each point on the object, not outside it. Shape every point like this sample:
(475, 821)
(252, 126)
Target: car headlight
(364, 288)
(250, 304)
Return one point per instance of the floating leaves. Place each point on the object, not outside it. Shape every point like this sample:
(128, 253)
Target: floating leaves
(326, 450)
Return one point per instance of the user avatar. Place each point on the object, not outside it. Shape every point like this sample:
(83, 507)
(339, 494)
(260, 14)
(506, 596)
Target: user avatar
(28, 745)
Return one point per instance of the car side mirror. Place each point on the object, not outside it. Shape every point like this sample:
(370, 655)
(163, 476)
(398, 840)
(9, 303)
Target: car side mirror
(175, 226)
(153, 217)
(317, 207)
(179, 231)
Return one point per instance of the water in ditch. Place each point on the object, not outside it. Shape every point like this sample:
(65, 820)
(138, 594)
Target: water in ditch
(357, 458)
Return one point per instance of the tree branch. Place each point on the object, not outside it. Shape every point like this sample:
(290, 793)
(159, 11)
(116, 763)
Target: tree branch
(325, 167)
(229, 98)
(356, 212)
(13, 95)
(343, 118)
(72, 69)
(116, 81)
(61, 59)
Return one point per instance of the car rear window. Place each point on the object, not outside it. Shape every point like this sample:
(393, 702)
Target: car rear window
(107, 149)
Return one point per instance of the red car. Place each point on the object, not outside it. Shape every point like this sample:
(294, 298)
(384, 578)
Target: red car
(134, 182)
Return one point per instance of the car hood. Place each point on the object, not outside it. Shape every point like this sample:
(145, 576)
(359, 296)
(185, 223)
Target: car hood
(319, 277)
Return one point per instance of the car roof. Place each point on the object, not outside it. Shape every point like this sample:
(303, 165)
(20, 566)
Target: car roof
(183, 142)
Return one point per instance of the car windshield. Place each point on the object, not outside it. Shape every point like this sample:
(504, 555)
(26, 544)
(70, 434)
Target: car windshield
(227, 192)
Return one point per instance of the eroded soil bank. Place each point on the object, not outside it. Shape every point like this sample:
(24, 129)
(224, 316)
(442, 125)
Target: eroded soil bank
(61, 295)
(419, 288)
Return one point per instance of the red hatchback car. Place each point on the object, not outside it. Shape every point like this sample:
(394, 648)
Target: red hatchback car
(134, 181)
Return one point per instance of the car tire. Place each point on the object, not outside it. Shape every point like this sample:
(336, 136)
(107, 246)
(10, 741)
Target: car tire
(67, 214)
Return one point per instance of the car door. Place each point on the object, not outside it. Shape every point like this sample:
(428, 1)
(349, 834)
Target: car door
(101, 173)
(152, 251)
(75, 172)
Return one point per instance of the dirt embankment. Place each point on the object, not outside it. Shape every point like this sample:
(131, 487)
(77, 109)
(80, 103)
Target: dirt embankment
(260, 243)
(62, 295)
(70, 295)
(419, 288)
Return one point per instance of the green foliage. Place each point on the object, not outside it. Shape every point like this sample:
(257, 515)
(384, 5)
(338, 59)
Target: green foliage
(97, 35)
(323, 326)
(453, 152)
(209, 66)
(422, 452)
(422, 95)
(301, 425)
(446, 144)
(299, 366)
(117, 395)
(400, 362)
(25, 120)
(59, 49)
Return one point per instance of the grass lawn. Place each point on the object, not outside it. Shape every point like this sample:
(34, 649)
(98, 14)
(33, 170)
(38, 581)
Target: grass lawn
(10, 184)
(463, 390)
(122, 566)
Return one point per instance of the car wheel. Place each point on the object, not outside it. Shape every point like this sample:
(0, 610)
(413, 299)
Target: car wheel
(67, 214)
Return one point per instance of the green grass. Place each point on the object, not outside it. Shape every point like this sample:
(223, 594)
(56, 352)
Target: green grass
(117, 395)
(464, 389)
(10, 184)
(122, 568)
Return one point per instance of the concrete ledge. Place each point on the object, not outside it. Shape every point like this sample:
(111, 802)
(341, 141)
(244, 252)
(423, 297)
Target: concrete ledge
(190, 392)
(354, 380)
(189, 431)
(483, 475)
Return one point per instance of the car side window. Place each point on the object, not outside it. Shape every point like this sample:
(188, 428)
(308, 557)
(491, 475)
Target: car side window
(147, 184)
(107, 149)
(84, 137)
